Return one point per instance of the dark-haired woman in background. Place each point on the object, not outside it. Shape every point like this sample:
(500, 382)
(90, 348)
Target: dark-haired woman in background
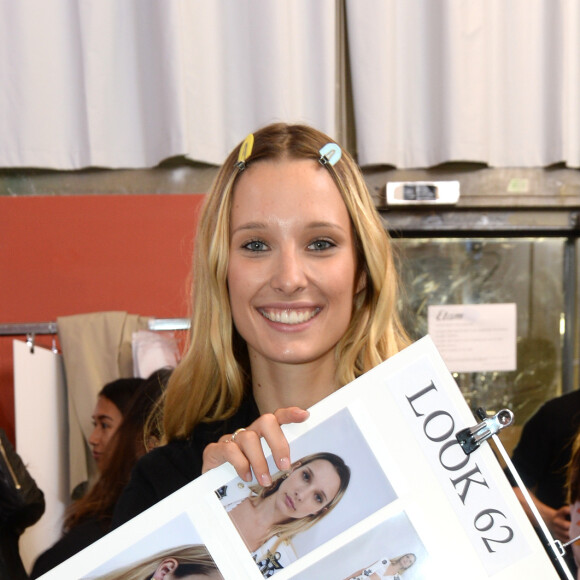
(89, 518)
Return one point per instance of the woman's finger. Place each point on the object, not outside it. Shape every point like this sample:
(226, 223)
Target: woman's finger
(268, 427)
(243, 448)
(249, 443)
(226, 451)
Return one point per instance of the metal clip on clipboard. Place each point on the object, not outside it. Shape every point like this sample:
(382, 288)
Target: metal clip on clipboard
(471, 439)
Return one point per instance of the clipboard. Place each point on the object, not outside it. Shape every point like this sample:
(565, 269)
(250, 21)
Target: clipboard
(471, 439)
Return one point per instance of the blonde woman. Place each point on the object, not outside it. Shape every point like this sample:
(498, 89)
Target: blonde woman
(294, 295)
(388, 568)
(191, 562)
(268, 518)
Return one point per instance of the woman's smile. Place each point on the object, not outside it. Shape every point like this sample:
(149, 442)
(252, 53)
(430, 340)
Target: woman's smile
(291, 316)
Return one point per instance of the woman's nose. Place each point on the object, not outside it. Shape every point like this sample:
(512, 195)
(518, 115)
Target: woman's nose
(289, 275)
(94, 438)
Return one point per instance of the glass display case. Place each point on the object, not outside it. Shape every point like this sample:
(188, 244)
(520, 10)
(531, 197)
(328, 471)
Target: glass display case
(535, 269)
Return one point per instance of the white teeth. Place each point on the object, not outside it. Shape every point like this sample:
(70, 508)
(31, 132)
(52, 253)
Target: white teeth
(290, 316)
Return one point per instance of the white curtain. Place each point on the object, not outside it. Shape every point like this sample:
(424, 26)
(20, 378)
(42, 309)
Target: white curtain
(131, 83)
(128, 84)
(491, 81)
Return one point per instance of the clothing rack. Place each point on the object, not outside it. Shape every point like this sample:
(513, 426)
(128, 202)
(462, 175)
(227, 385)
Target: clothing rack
(33, 328)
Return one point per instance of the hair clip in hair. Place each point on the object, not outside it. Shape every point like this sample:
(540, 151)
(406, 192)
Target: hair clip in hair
(330, 154)
(245, 151)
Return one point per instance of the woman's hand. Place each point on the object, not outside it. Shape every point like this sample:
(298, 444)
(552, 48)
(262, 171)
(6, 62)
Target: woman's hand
(245, 453)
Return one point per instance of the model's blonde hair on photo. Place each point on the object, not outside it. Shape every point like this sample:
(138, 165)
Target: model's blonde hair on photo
(193, 559)
(211, 379)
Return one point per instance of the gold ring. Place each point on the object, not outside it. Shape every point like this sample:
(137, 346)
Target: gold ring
(235, 433)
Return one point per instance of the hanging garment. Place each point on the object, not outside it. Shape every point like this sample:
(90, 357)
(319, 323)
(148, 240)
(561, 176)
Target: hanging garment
(97, 349)
(21, 505)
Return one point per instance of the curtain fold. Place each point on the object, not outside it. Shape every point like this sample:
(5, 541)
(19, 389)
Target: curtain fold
(129, 84)
(494, 82)
(100, 83)
(252, 62)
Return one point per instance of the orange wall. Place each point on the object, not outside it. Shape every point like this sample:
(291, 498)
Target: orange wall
(67, 255)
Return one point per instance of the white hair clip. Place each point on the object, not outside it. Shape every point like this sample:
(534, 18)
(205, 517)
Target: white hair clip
(330, 154)
(245, 151)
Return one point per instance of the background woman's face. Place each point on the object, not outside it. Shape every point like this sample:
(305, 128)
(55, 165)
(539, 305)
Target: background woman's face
(292, 268)
(308, 489)
(106, 420)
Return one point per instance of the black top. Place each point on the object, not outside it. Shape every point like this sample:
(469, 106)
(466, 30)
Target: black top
(79, 537)
(544, 449)
(20, 508)
(166, 469)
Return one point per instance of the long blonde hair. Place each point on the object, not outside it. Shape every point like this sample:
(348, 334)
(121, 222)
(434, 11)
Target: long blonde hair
(210, 382)
(192, 559)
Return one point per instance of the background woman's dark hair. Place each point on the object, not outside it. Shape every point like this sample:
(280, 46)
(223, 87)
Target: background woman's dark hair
(127, 445)
(120, 392)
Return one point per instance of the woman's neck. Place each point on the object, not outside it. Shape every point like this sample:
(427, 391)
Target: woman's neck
(256, 520)
(276, 386)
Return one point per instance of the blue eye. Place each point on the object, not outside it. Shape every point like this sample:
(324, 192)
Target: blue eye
(255, 246)
(319, 245)
(318, 498)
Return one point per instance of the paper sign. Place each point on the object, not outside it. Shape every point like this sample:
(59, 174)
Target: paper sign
(475, 338)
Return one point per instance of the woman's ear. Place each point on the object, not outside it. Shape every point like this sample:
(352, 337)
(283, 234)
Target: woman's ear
(168, 566)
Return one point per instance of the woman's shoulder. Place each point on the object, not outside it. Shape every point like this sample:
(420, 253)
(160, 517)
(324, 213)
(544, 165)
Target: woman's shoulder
(179, 456)
(77, 538)
(234, 493)
(155, 476)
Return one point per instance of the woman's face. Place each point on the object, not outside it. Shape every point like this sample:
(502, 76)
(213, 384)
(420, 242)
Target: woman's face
(292, 268)
(106, 420)
(308, 489)
(407, 561)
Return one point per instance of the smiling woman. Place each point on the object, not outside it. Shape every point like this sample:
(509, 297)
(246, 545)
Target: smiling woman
(292, 274)
(295, 295)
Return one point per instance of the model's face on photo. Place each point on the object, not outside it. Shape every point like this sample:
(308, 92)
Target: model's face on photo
(407, 560)
(106, 420)
(291, 274)
(308, 489)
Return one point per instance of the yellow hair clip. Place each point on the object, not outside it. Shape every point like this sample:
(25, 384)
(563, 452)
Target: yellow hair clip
(245, 151)
(330, 154)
